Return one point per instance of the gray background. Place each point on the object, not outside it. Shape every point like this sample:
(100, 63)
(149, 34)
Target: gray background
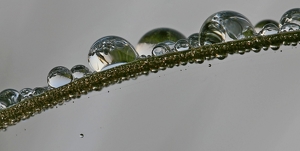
(245, 102)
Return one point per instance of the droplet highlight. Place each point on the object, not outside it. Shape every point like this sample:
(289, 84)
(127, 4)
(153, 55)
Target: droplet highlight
(59, 76)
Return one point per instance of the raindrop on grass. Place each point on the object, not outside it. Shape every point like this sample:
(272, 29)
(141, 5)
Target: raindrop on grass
(59, 76)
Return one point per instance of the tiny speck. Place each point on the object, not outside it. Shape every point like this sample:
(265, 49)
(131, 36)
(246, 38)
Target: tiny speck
(107, 91)
(280, 50)
(73, 101)
(209, 65)
(81, 135)
(25, 129)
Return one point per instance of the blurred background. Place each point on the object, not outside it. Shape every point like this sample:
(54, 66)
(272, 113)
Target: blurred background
(245, 102)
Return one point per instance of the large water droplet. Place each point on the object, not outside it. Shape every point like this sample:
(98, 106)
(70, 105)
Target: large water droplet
(59, 76)
(38, 90)
(26, 92)
(155, 36)
(110, 50)
(182, 45)
(194, 40)
(260, 25)
(225, 26)
(79, 71)
(289, 27)
(291, 16)
(9, 97)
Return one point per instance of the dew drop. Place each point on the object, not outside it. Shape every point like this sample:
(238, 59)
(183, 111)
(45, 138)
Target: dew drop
(110, 50)
(291, 16)
(79, 71)
(26, 92)
(194, 40)
(163, 48)
(289, 27)
(225, 26)
(182, 45)
(155, 36)
(267, 27)
(81, 135)
(260, 25)
(59, 76)
(38, 91)
(9, 97)
(209, 65)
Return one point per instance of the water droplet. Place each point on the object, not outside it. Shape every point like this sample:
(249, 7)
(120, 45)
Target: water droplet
(182, 45)
(162, 48)
(289, 27)
(267, 27)
(59, 76)
(155, 36)
(110, 50)
(194, 40)
(260, 25)
(26, 92)
(38, 90)
(9, 97)
(291, 16)
(81, 135)
(225, 26)
(79, 71)
(209, 65)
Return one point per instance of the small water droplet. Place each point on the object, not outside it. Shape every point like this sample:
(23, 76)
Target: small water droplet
(163, 48)
(155, 36)
(225, 26)
(260, 25)
(209, 65)
(59, 76)
(38, 91)
(267, 27)
(81, 135)
(26, 92)
(289, 27)
(291, 16)
(182, 45)
(194, 40)
(110, 50)
(9, 97)
(79, 71)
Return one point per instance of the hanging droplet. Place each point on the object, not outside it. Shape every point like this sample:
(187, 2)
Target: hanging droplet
(155, 36)
(38, 91)
(9, 97)
(79, 71)
(291, 16)
(182, 45)
(163, 48)
(225, 26)
(110, 50)
(260, 25)
(194, 40)
(59, 76)
(26, 92)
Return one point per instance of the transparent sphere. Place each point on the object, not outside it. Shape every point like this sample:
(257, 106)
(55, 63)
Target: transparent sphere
(291, 16)
(26, 92)
(194, 40)
(225, 26)
(79, 71)
(161, 48)
(9, 97)
(38, 90)
(110, 50)
(264, 24)
(59, 76)
(182, 45)
(155, 36)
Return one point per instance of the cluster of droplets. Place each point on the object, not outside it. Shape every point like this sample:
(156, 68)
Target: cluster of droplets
(111, 51)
